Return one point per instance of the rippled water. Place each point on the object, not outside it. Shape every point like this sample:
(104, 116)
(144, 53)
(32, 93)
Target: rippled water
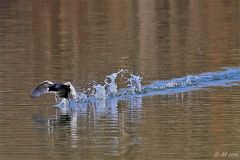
(188, 53)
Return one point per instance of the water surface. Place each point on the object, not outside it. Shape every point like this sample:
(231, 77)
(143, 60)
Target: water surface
(82, 41)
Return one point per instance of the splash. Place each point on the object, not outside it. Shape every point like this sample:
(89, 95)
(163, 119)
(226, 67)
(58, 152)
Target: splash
(100, 92)
(135, 83)
(111, 87)
(228, 77)
(109, 91)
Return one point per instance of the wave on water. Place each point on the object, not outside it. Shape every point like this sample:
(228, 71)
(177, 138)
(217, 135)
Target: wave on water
(110, 93)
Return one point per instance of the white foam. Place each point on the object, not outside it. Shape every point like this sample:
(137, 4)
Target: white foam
(100, 92)
(111, 87)
(135, 83)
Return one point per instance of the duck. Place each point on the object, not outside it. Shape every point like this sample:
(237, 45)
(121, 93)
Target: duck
(60, 90)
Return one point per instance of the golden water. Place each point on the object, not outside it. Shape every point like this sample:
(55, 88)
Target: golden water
(81, 41)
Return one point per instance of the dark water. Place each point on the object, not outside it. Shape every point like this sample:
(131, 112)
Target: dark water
(81, 41)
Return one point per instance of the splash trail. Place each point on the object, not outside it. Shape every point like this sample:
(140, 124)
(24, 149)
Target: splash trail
(109, 91)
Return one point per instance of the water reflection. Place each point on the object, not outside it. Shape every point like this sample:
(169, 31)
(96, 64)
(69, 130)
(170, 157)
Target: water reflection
(81, 41)
(108, 125)
(157, 37)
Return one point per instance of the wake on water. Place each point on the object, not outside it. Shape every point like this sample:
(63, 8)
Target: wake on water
(109, 92)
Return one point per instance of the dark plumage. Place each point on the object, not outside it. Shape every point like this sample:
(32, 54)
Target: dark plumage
(61, 90)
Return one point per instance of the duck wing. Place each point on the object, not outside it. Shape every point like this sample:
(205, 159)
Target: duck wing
(41, 89)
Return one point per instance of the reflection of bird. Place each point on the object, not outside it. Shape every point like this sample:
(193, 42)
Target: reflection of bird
(61, 90)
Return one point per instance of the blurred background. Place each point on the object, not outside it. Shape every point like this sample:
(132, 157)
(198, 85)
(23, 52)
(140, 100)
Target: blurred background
(83, 41)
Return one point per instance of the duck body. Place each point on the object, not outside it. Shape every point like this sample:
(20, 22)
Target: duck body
(61, 90)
